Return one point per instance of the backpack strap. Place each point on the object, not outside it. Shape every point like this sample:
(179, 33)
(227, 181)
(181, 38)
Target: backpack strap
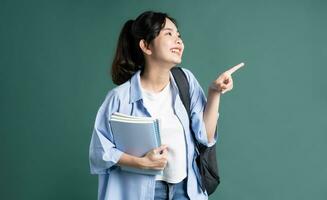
(183, 87)
(207, 159)
(184, 93)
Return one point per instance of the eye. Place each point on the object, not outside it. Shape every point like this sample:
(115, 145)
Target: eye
(169, 33)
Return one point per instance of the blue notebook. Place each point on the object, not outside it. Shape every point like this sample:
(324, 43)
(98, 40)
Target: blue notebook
(135, 136)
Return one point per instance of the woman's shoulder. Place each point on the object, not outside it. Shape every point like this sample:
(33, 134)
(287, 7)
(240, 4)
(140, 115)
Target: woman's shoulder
(117, 94)
(120, 89)
(189, 74)
(193, 82)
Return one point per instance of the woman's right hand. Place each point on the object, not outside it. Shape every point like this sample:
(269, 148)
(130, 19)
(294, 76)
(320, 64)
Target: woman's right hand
(156, 158)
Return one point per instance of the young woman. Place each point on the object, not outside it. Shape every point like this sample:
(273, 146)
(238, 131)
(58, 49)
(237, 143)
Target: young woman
(148, 48)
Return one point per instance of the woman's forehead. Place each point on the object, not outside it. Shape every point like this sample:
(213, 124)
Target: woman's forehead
(169, 25)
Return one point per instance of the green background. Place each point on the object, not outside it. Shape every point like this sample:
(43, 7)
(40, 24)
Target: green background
(55, 57)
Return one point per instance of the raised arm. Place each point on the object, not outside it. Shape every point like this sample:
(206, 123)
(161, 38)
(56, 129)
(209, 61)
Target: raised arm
(222, 84)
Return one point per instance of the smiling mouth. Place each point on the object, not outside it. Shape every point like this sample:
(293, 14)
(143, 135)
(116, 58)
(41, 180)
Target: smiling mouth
(176, 51)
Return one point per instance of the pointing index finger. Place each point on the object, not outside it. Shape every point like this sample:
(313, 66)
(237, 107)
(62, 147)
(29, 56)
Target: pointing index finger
(235, 68)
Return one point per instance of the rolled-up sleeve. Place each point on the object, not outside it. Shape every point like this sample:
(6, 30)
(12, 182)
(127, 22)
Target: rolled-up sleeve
(197, 105)
(102, 151)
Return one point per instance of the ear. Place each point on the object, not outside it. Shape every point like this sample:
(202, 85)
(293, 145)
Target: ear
(145, 47)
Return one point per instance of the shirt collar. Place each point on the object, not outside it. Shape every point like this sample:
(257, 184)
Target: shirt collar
(136, 92)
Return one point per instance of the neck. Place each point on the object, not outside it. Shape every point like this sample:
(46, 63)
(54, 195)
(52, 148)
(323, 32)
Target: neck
(154, 78)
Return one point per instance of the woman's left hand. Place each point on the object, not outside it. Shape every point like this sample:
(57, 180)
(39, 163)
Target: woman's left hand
(224, 82)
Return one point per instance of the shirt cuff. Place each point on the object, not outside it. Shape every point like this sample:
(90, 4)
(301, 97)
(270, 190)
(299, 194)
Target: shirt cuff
(200, 131)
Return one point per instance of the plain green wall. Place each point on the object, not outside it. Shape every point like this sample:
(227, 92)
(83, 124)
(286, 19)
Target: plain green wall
(273, 126)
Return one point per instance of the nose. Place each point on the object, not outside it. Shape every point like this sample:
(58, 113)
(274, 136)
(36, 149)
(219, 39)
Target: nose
(179, 41)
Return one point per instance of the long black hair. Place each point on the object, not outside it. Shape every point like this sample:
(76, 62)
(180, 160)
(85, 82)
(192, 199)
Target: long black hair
(129, 57)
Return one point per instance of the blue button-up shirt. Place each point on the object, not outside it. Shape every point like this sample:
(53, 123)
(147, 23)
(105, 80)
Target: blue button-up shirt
(115, 184)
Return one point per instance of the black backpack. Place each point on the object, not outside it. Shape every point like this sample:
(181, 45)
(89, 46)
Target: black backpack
(206, 160)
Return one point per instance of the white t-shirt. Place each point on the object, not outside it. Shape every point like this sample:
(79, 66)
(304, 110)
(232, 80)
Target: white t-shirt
(160, 105)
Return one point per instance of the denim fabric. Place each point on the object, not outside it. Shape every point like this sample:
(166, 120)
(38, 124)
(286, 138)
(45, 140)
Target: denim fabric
(170, 191)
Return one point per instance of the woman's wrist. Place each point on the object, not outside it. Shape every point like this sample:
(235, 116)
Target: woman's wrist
(140, 162)
(132, 161)
(143, 163)
(213, 91)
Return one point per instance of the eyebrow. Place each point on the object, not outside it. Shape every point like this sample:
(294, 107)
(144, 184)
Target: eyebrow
(169, 29)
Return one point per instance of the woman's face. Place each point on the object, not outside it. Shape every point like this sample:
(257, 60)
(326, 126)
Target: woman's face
(168, 46)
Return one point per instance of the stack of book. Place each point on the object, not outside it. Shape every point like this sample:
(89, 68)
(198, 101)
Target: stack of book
(135, 136)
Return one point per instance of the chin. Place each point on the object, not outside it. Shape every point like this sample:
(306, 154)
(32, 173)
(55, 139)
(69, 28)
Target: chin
(179, 61)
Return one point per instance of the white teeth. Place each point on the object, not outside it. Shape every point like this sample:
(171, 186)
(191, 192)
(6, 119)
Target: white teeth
(175, 50)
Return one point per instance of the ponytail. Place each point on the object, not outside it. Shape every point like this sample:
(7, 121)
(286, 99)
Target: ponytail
(124, 64)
